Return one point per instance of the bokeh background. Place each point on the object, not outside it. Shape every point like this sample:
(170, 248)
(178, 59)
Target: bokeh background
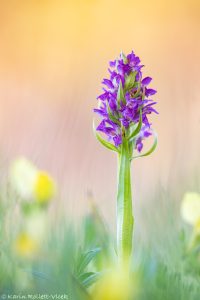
(53, 56)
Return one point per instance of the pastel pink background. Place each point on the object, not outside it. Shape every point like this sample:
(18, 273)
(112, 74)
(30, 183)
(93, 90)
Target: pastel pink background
(53, 56)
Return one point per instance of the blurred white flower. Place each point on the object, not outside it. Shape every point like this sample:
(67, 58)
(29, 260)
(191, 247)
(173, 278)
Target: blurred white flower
(190, 208)
(23, 176)
(31, 183)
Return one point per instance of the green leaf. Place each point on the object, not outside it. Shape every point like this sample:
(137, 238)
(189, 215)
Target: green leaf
(85, 259)
(37, 274)
(120, 95)
(153, 147)
(137, 129)
(130, 80)
(89, 278)
(103, 142)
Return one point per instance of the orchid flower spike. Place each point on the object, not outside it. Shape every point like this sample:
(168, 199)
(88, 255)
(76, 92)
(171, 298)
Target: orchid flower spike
(125, 105)
(124, 108)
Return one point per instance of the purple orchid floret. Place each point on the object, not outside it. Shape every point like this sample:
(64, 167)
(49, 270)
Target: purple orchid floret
(144, 133)
(125, 101)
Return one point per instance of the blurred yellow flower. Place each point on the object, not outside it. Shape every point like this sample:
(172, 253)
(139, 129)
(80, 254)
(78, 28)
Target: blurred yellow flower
(44, 187)
(190, 209)
(33, 236)
(115, 285)
(25, 245)
(31, 183)
(197, 227)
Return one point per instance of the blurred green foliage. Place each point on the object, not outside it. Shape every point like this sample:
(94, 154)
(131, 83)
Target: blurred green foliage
(73, 258)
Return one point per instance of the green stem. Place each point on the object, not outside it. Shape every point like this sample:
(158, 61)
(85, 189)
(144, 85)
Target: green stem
(124, 206)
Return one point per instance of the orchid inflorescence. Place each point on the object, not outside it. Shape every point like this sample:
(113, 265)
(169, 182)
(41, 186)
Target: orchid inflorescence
(124, 107)
(125, 104)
